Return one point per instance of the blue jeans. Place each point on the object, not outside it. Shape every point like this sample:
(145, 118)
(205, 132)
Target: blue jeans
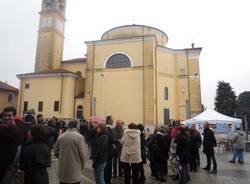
(238, 153)
(99, 173)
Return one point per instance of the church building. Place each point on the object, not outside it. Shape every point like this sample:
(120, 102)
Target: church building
(129, 73)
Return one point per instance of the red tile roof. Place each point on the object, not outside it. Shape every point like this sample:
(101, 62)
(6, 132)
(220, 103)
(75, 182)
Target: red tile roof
(7, 87)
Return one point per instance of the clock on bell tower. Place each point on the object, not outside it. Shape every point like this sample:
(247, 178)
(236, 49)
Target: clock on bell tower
(50, 35)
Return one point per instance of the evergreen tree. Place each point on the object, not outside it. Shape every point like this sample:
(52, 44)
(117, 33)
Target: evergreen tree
(225, 100)
(244, 107)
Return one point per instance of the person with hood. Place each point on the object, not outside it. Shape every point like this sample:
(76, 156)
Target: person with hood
(131, 153)
(238, 145)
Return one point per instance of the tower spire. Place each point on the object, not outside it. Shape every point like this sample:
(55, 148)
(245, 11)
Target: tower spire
(50, 35)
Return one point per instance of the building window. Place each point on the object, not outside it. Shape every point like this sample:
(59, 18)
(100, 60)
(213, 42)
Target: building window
(56, 106)
(25, 106)
(79, 112)
(40, 106)
(166, 93)
(9, 97)
(27, 86)
(118, 61)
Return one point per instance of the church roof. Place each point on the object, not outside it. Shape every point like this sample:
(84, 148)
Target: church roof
(134, 30)
(47, 72)
(75, 60)
(7, 87)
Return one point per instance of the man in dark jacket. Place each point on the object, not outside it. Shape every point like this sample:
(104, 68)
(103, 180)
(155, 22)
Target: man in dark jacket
(142, 178)
(9, 140)
(208, 148)
(99, 153)
(8, 117)
(160, 149)
(117, 133)
(182, 152)
(149, 144)
(111, 144)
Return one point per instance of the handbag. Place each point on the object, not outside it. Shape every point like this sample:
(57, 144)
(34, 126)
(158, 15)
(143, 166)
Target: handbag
(14, 175)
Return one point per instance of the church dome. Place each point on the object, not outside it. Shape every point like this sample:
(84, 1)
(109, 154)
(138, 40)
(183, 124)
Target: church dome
(135, 30)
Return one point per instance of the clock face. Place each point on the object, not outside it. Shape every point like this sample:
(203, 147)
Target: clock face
(46, 22)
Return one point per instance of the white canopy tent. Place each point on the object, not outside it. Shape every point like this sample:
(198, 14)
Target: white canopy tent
(218, 120)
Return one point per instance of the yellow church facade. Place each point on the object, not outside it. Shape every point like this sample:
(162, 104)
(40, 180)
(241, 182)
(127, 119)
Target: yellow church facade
(129, 73)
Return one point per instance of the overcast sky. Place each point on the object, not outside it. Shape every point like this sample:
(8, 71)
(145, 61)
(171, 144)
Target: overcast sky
(221, 27)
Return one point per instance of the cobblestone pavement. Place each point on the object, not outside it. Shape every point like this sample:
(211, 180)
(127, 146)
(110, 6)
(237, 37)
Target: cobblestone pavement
(227, 173)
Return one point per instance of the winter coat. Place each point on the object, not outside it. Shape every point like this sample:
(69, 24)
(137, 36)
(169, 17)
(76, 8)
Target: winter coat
(8, 146)
(111, 142)
(22, 130)
(131, 150)
(99, 152)
(34, 161)
(182, 149)
(238, 140)
(117, 133)
(52, 136)
(7, 156)
(143, 148)
(149, 142)
(160, 148)
(194, 143)
(209, 141)
(71, 150)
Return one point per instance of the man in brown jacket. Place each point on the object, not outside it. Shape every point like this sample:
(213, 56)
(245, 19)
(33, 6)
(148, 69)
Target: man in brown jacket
(71, 151)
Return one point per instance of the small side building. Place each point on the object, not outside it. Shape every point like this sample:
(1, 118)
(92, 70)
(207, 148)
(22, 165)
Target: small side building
(8, 95)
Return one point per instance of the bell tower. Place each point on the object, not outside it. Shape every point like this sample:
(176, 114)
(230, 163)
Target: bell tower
(50, 35)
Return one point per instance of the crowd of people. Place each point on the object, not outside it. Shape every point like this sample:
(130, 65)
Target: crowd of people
(115, 151)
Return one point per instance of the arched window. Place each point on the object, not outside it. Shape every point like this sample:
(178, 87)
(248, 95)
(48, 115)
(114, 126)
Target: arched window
(118, 61)
(79, 107)
(79, 111)
(166, 93)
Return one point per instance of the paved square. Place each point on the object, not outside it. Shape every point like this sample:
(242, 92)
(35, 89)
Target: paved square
(227, 173)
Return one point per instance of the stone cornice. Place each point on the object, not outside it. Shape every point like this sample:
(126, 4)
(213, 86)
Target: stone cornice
(195, 51)
(121, 40)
